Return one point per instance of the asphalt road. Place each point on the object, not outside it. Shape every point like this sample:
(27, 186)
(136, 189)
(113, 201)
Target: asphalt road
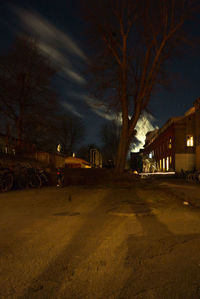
(81, 242)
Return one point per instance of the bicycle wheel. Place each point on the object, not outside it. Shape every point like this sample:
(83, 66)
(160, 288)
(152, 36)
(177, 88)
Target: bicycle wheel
(35, 181)
(22, 181)
(6, 182)
(44, 179)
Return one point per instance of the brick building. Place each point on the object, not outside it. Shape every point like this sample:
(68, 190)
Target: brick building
(176, 145)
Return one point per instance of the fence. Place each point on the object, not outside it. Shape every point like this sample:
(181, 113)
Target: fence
(48, 159)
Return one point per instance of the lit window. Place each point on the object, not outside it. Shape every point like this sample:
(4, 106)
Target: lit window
(170, 160)
(163, 164)
(170, 143)
(150, 155)
(167, 164)
(160, 164)
(190, 141)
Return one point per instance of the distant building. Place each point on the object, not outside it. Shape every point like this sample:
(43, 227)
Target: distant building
(72, 162)
(8, 144)
(176, 145)
(95, 158)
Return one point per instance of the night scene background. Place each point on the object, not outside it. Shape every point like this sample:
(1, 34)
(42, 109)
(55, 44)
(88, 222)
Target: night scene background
(75, 227)
(62, 37)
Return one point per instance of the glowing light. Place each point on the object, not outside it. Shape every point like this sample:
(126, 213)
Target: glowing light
(190, 141)
(143, 174)
(144, 125)
(167, 164)
(170, 143)
(163, 164)
(59, 148)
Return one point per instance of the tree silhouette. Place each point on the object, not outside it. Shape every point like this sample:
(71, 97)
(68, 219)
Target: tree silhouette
(71, 131)
(25, 79)
(132, 41)
(110, 136)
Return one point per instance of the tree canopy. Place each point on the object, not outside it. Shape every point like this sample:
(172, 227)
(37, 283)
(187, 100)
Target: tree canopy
(26, 97)
(131, 41)
(71, 131)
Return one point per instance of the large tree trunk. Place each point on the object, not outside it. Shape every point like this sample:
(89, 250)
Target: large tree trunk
(127, 133)
(122, 151)
(124, 138)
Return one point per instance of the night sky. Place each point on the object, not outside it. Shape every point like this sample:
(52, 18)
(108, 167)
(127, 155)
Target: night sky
(62, 37)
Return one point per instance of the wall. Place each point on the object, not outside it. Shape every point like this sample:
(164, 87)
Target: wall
(183, 128)
(59, 161)
(198, 157)
(184, 161)
(42, 157)
(197, 120)
(160, 146)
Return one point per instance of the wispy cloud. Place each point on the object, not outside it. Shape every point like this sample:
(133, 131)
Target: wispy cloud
(96, 106)
(99, 108)
(74, 75)
(55, 43)
(72, 109)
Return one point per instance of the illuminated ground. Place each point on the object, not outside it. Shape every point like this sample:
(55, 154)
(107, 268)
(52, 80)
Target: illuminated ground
(78, 242)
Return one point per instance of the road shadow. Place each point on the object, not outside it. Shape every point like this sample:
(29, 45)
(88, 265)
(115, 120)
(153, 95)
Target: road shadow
(82, 245)
(151, 260)
(146, 279)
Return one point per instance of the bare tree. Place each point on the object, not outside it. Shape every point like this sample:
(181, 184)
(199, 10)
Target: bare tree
(110, 136)
(132, 42)
(43, 132)
(25, 79)
(71, 131)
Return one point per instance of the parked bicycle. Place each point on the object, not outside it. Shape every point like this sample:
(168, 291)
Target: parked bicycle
(22, 177)
(43, 176)
(6, 179)
(33, 177)
(191, 176)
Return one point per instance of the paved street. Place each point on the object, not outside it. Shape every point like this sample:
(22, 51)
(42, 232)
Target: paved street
(97, 242)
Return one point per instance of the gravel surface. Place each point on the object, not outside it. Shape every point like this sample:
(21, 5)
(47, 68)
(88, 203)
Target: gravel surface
(136, 241)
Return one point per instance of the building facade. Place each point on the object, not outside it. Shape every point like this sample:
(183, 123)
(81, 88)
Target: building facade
(95, 158)
(176, 145)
